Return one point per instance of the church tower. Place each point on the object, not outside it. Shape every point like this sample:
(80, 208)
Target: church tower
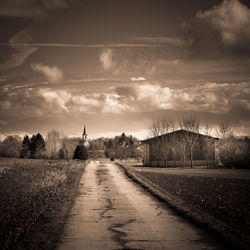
(84, 134)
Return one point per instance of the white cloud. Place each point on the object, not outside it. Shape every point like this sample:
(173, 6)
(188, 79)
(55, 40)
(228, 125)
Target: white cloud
(232, 20)
(210, 97)
(140, 78)
(107, 59)
(113, 104)
(53, 74)
(58, 98)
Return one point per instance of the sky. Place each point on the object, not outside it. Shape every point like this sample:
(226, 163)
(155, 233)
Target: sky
(118, 65)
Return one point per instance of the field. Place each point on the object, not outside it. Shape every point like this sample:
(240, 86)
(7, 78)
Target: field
(219, 198)
(35, 198)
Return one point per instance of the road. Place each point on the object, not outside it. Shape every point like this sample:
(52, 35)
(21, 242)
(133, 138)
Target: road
(113, 212)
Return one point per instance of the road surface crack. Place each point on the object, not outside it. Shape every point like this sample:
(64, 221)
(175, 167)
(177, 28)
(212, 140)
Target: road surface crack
(108, 207)
(120, 235)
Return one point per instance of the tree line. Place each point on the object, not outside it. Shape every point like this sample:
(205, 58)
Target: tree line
(57, 146)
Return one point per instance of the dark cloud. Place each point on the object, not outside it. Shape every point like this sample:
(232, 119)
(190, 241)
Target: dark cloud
(232, 20)
(30, 9)
(222, 31)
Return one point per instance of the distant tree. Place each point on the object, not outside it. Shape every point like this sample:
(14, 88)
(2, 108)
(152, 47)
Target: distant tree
(160, 127)
(192, 125)
(81, 153)
(64, 147)
(53, 143)
(10, 147)
(123, 138)
(37, 146)
(209, 145)
(25, 150)
(33, 146)
(61, 153)
(162, 147)
(224, 130)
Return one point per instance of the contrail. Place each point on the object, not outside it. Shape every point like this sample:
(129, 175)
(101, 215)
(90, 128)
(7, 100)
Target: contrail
(72, 45)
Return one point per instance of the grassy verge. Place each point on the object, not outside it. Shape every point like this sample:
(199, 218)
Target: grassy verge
(220, 204)
(35, 198)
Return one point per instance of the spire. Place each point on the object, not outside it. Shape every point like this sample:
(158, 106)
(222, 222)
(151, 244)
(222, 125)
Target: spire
(84, 134)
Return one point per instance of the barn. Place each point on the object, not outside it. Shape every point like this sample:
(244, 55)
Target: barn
(180, 148)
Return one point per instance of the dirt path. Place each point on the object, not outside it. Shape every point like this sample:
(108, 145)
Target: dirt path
(112, 212)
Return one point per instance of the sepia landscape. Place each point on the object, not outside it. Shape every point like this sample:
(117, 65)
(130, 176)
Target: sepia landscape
(124, 124)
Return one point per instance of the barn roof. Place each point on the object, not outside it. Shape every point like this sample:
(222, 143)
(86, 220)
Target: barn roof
(180, 131)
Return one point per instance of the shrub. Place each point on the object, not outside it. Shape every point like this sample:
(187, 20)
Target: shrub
(10, 147)
(234, 153)
(61, 154)
(81, 153)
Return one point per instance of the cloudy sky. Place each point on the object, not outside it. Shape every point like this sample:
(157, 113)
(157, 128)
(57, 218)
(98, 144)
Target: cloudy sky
(116, 65)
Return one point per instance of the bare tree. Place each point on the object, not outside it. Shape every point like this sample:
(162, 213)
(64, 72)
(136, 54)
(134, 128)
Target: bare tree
(53, 144)
(161, 147)
(224, 130)
(64, 148)
(192, 125)
(159, 127)
(209, 144)
(229, 148)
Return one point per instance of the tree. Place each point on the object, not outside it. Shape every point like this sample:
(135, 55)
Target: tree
(37, 146)
(61, 153)
(224, 131)
(52, 143)
(81, 153)
(232, 152)
(123, 138)
(160, 127)
(25, 150)
(11, 146)
(162, 146)
(192, 125)
(64, 148)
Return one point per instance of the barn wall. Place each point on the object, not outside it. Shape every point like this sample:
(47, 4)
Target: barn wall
(166, 152)
(171, 164)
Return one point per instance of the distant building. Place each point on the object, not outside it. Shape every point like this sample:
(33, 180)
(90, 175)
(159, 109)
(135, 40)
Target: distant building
(84, 140)
(92, 153)
(173, 149)
(84, 134)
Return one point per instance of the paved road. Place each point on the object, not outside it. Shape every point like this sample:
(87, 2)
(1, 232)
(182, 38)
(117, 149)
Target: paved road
(112, 212)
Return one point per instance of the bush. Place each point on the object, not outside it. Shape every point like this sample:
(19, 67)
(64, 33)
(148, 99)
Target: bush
(10, 147)
(81, 153)
(61, 154)
(234, 153)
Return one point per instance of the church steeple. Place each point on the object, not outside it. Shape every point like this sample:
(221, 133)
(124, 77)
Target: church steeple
(84, 134)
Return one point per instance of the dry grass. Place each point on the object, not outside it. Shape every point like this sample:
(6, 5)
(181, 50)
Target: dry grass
(35, 196)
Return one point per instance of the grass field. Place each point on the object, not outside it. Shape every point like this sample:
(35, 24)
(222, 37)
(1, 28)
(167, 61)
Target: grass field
(35, 197)
(224, 195)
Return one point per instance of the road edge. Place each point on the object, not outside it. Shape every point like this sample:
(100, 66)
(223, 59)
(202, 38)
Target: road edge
(221, 231)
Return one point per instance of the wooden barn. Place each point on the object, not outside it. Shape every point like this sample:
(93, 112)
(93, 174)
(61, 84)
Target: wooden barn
(180, 148)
